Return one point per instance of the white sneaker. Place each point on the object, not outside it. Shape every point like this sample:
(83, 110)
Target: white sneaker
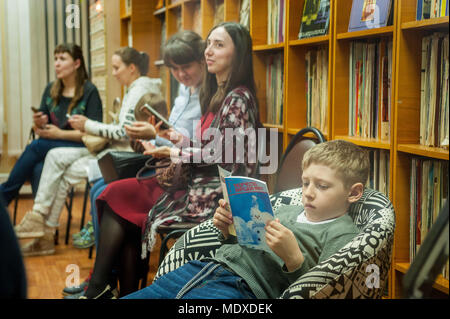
(31, 226)
(44, 245)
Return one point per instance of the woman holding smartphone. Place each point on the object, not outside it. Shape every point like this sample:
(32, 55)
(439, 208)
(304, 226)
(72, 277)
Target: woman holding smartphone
(130, 210)
(71, 93)
(67, 166)
(183, 55)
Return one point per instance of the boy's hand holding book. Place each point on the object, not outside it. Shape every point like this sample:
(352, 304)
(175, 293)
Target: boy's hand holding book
(283, 243)
(223, 218)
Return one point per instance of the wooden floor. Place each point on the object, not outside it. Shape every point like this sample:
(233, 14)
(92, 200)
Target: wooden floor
(46, 275)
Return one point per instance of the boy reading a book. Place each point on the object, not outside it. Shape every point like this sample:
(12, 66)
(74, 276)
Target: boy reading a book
(334, 174)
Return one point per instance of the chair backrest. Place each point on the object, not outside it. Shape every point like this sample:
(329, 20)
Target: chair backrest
(290, 170)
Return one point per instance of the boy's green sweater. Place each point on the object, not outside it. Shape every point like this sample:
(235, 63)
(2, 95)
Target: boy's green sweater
(265, 272)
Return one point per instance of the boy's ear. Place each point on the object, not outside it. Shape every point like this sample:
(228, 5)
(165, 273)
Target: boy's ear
(356, 192)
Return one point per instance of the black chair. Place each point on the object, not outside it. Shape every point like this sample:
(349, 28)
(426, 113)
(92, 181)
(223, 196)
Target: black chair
(290, 170)
(166, 233)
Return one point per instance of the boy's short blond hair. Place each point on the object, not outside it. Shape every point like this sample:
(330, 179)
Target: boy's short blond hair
(350, 161)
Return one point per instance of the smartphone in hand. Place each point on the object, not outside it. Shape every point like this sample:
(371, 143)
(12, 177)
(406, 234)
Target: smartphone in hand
(165, 124)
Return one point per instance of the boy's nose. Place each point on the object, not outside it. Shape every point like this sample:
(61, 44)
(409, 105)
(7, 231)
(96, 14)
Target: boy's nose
(307, 192)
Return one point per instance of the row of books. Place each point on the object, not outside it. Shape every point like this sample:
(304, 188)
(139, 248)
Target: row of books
(316, 67)
(434, 91)
(429, 190)
(274, 88)
(427, 9)
(370, 88)
(379, 171)
(275, 21)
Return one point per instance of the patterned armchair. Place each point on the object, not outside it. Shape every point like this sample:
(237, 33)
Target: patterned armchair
(359, 270)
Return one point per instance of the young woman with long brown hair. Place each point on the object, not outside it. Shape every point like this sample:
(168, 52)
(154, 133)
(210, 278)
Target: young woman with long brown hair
(131, 209)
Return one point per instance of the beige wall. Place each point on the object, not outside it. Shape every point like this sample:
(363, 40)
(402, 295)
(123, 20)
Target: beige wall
(30, 30)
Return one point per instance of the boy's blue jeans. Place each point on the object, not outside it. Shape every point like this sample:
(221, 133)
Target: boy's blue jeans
(196, 280)
(29, 166)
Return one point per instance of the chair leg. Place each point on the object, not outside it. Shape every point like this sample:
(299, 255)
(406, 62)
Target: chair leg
(163, 250)
(69, 215)
(90, 252)
(86, 195)
(144, 271)
(16, 202)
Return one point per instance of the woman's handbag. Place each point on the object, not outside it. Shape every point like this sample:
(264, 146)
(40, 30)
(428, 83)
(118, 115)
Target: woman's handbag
(169, 174)
(173, 175)
(117, 165)
(94, 143)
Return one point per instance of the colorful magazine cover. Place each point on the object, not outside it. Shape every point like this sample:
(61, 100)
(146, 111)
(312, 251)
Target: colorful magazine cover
(251, 208)
(315, 19)
(369, 14)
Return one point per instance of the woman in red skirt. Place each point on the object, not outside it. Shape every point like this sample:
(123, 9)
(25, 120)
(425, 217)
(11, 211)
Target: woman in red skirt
(131, 209)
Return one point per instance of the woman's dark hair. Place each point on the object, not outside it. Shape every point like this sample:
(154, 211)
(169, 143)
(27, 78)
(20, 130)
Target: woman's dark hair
(211, 94)
(80, 78)
(184, 47)
(132, 56)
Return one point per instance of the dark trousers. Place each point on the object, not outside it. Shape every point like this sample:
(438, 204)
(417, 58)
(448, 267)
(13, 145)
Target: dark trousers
(29, 166)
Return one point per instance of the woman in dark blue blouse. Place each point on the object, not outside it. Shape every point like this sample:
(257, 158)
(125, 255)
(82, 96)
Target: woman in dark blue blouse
(71, 93)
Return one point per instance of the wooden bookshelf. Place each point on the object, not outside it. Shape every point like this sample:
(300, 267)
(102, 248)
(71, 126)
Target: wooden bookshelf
(440, 284)
(406, 126)
(405, 34)
(295, 88)
(141, 29)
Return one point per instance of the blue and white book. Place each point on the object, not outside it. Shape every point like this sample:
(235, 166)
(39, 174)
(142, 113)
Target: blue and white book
(251, 208)
(369, 14)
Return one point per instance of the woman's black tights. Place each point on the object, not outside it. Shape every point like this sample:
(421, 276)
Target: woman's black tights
(119, 246)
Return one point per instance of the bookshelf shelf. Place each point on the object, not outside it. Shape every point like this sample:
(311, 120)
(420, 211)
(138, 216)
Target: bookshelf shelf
(440, 284)
(407, 123)
(125, 16)
(160, 12)
(323, 39)
(434, 23)
(268, 47)
(270, 125)
(377, 32)
(421, 150)
(365, 142)
(292, 131)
